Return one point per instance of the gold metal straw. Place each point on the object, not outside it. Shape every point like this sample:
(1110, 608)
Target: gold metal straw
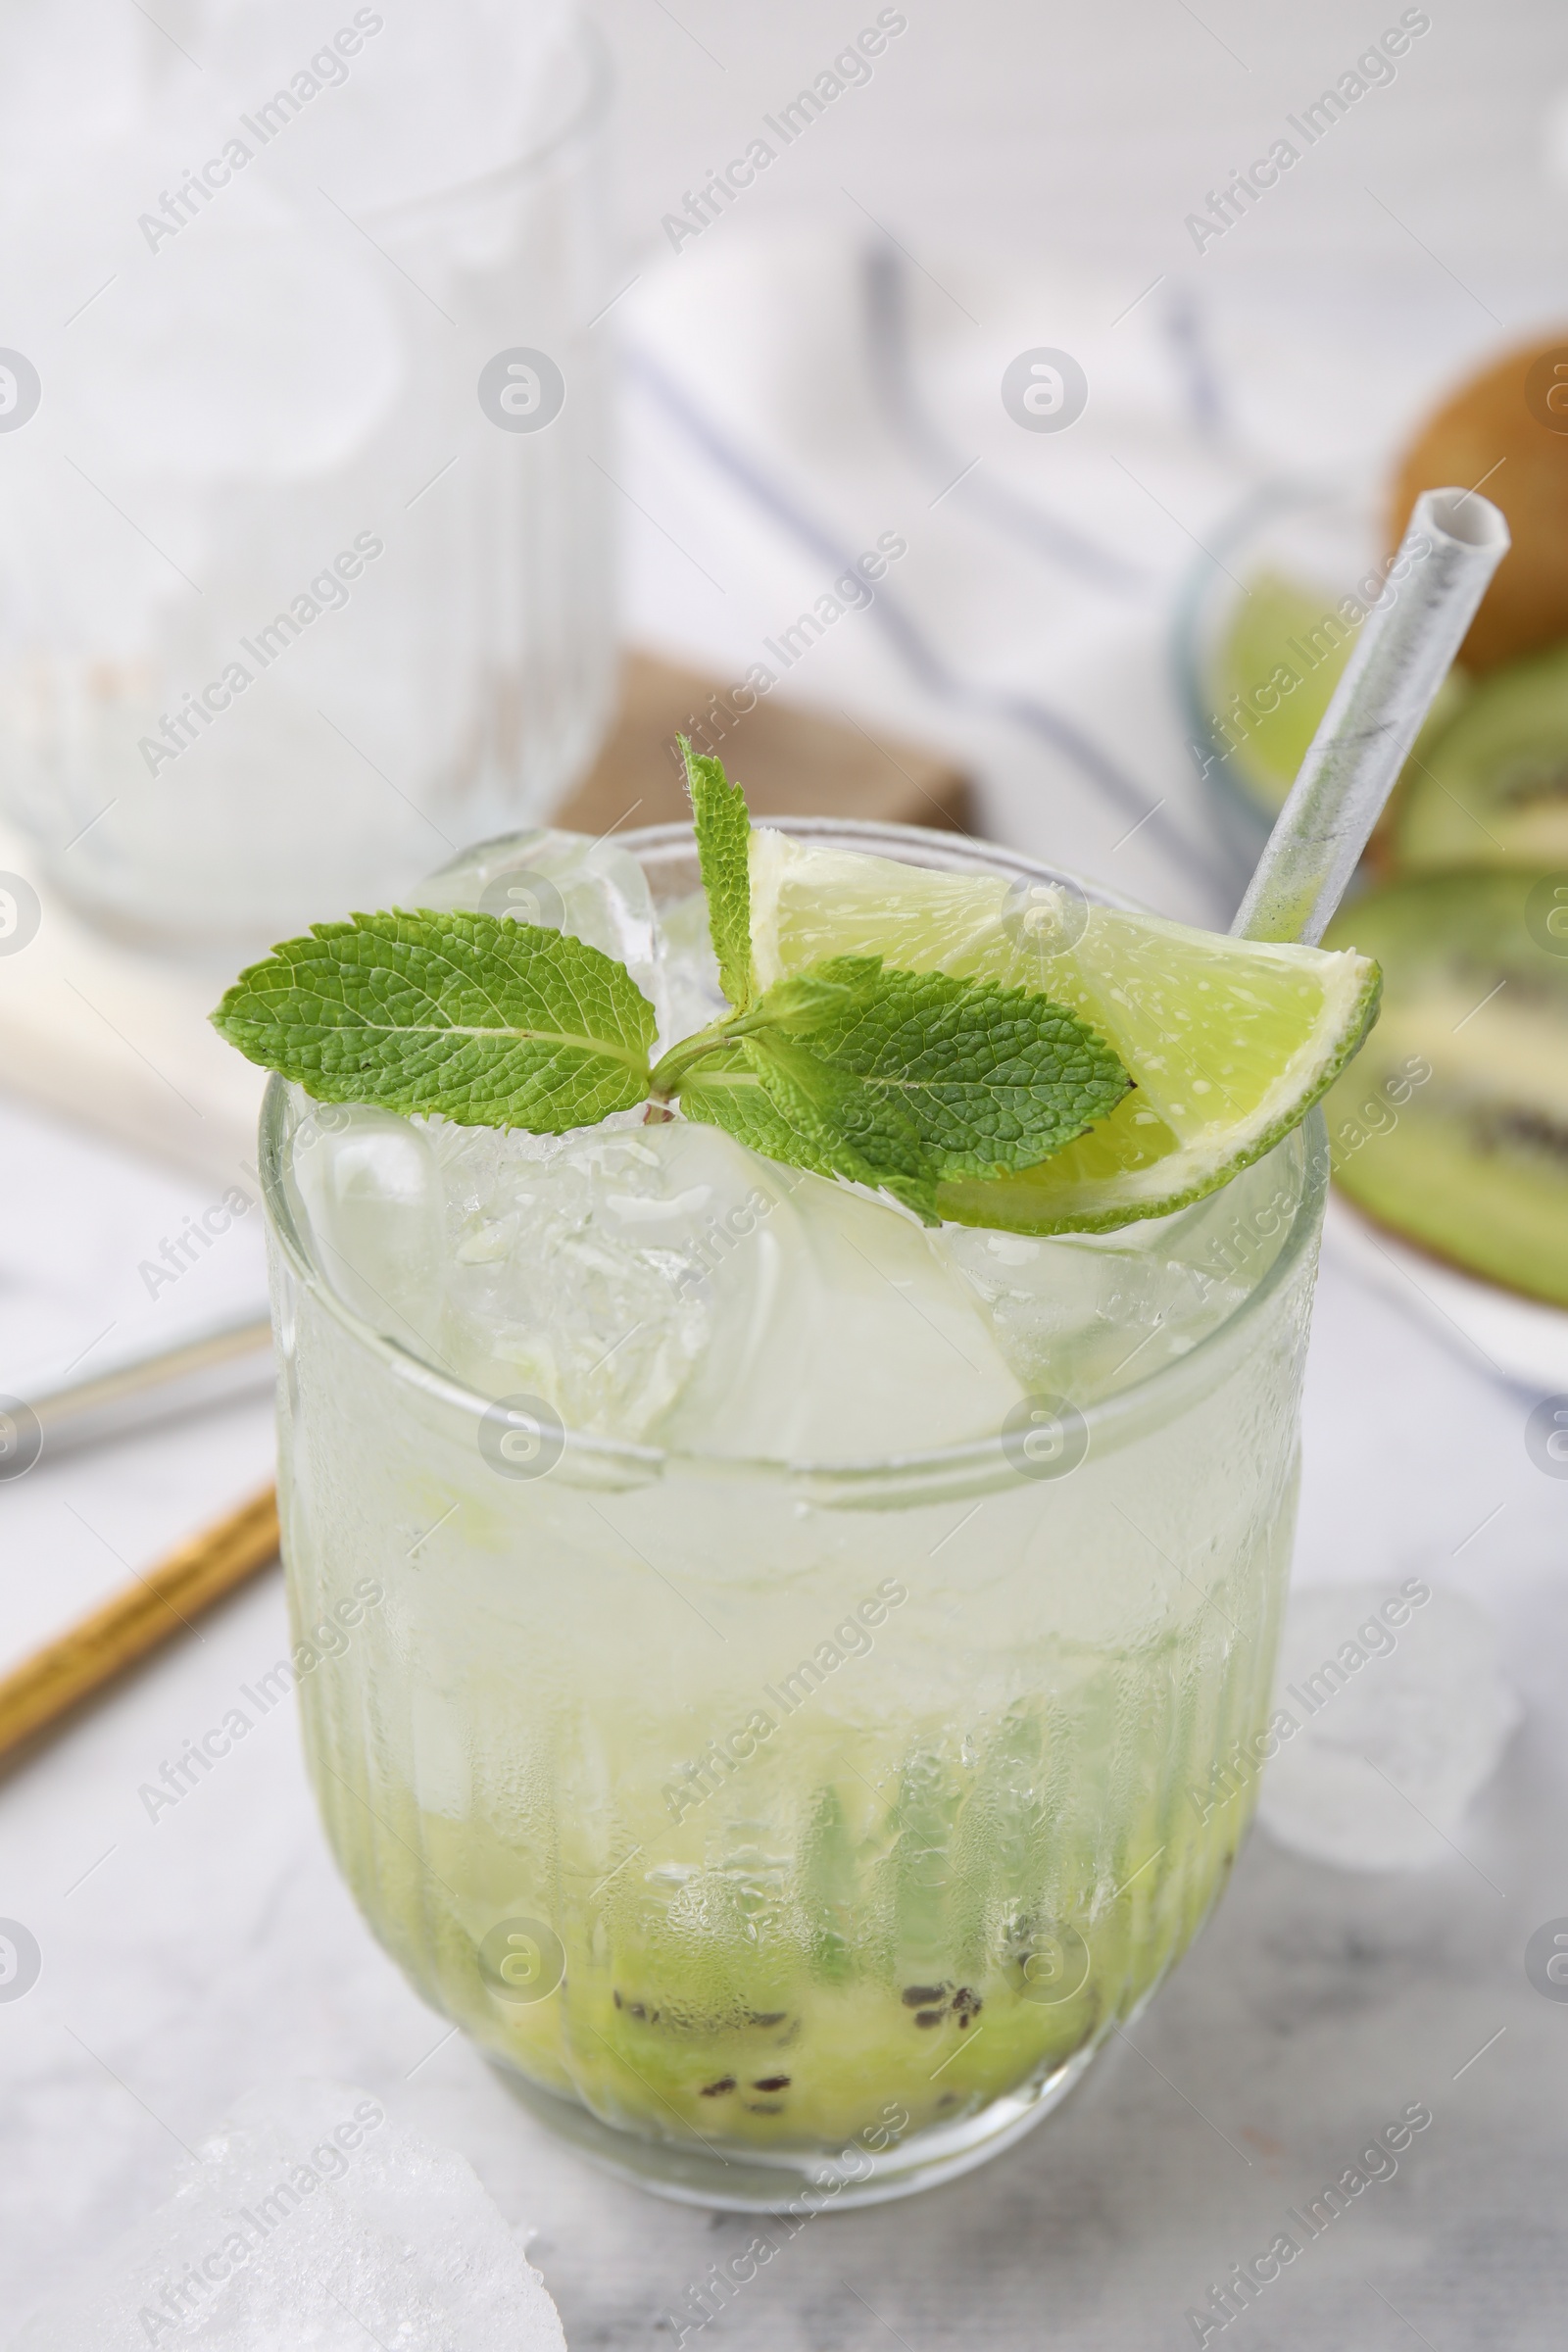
(67, 1671)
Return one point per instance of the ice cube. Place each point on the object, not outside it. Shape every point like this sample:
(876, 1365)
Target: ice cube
(431, 100)
(867, 1348)
(573, 1264)
(371, 1192)
(690, 969)
(309, 2218)
(1068, 1314)
(593, 889)
(239, 354)
(1084, 1314)
(1402, 1714)
(663, 1285)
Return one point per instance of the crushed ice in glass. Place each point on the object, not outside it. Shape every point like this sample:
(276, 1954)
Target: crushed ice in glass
(662, 1286)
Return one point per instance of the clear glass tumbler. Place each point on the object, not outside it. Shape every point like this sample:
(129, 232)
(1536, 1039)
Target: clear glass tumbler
(304, 558)
(788, 1831)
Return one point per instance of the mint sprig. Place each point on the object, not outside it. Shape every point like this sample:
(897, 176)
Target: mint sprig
(723, 827)
(489, 1021)
(901, 1081)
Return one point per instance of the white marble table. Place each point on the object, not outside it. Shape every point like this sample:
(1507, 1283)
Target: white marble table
(189, 1958)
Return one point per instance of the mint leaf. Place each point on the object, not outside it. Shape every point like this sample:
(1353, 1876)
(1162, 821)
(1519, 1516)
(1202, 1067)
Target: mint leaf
(800, 1003)
(723, 849)
(488, 1021)
(726, 1092)
(780, 1100)
(901, 1080)
(986, 1078)
(844, 1127)
(826, 994)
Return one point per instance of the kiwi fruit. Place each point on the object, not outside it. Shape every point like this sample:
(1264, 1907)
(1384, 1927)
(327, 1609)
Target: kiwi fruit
(1492, 790)
(1452, 1125)
(1506, 433)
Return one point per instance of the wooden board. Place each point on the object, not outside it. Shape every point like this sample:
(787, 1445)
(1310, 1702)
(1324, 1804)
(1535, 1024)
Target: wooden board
(792, 762)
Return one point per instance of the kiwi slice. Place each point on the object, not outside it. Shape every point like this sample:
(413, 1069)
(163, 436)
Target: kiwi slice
(1494, 789)
(1451, 1126)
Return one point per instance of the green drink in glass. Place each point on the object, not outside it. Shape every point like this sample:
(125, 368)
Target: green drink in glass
(795, 1664)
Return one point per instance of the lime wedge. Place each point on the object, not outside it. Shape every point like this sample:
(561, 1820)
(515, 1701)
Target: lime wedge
(1229, 1042)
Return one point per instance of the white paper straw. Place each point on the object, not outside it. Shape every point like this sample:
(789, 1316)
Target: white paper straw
(1455, 544)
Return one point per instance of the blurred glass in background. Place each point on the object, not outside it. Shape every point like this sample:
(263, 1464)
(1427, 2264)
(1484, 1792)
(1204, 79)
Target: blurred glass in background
(305, 574)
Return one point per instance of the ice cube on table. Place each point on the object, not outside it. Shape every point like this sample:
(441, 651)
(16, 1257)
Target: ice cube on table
(595, 890)
(310, 2219)
(1399, 1724)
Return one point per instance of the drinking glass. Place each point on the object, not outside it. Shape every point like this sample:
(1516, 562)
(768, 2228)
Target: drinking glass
(789, 1830)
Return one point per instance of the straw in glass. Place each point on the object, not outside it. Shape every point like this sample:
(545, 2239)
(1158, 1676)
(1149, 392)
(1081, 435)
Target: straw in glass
(1453, 545)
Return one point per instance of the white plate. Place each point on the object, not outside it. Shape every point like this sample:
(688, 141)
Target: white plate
(1519, 1338)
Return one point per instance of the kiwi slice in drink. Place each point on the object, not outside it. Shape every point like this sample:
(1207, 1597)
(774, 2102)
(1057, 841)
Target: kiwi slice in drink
(1494, 789)
(1453, 1125)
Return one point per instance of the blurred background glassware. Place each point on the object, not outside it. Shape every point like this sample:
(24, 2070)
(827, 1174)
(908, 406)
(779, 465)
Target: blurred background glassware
(292, 592)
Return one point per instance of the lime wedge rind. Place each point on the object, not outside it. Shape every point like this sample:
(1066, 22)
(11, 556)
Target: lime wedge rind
(1229, 1042)
(1004, 1206)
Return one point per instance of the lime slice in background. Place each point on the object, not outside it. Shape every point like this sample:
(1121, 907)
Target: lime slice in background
(1453, 1128)
(1229, 1042)
(1282, 625)
(1494, 789)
